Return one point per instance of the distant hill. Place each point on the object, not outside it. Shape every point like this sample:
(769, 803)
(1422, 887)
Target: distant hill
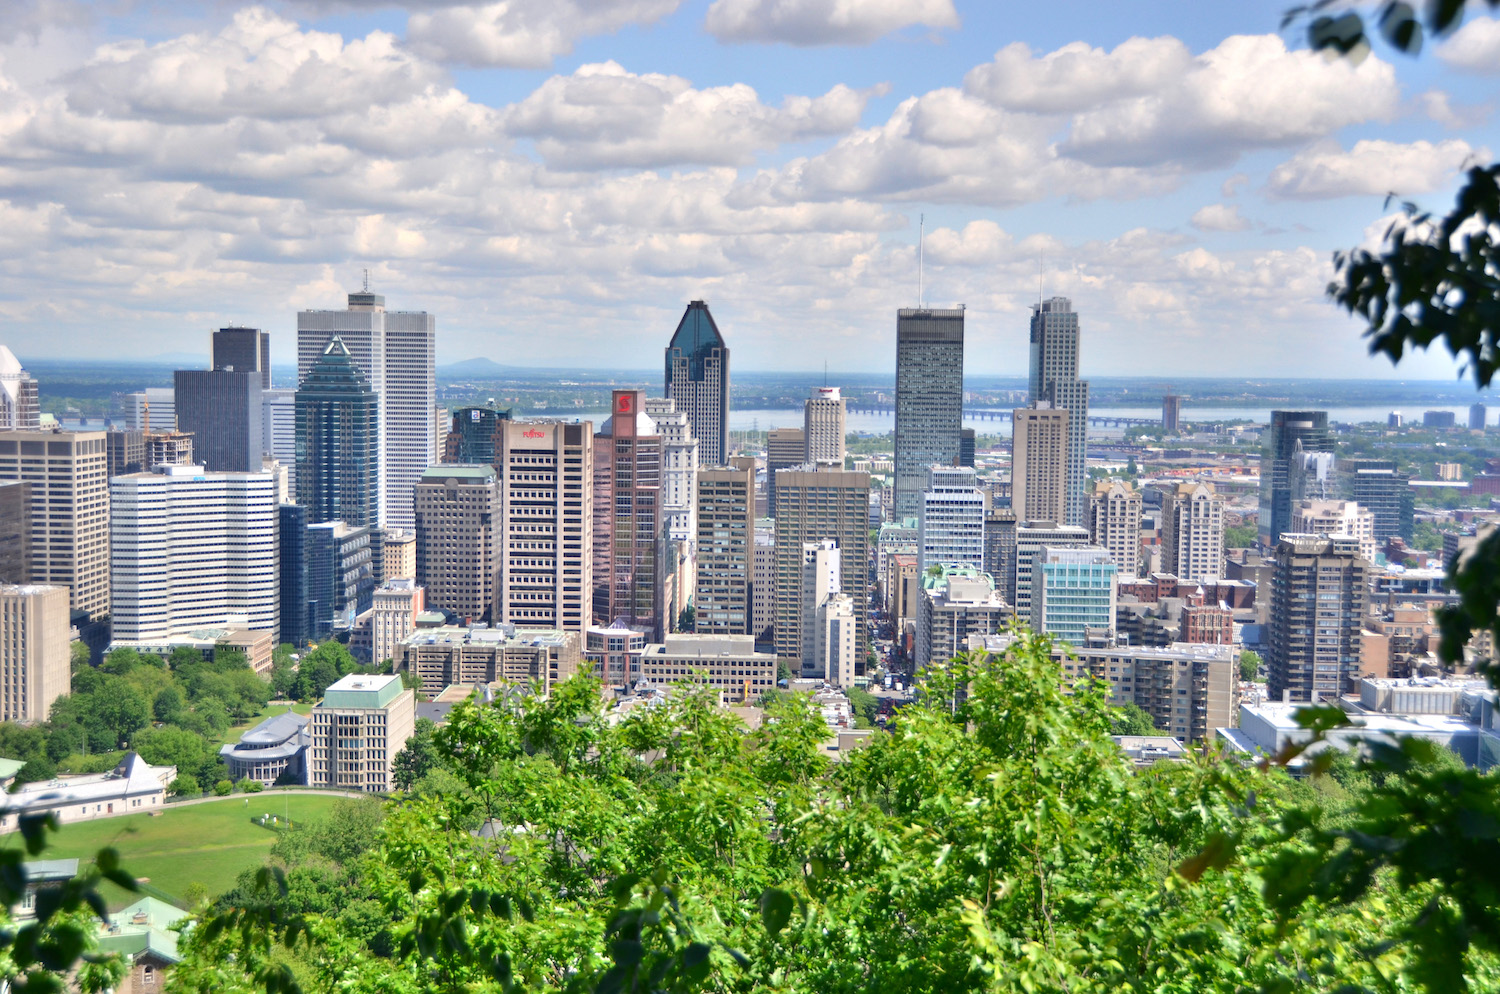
(476, 367)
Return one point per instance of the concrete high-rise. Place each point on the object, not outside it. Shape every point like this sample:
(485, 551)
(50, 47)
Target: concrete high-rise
(1319, 597)
(1115, 523)
(1039, 472)
(68, 472)
(546, 472)
(35, 659)
(954, 603)
(1478, 415)
(929, 399)
(1054, 378)
(1171, 412)
(243, 350)
(193, 549)
(358, 728)
(224, 412)
(697, 366)
(396, 350)
(20, 404)
(823, 417)
(1378, 486)
(1192, 532)
(338, 440)
(1336, 518)
(726, 551)
(1277, 451)
(127, 451)
(785, 448)
(679, 469)
(151, 409)
(458, 514)
(629, 532)
(821, 580)
(278, 430)
(950, 527)
(816, 503)
(1032, 537)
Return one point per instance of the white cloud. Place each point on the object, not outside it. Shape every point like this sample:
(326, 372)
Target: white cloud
(1077, 77)
(1475, 47)
(1371, 167)
(523, 33)
(1219, 217)
(1248, 93)
(605, 117)
(823, 22)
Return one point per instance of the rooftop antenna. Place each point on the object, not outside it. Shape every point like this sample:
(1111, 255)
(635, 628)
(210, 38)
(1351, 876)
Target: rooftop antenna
(367, 282)
(921, 232)
(825, 372)
(1041, 256)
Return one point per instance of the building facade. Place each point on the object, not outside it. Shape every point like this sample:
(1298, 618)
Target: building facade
(697, 379)
(1320, 594)
(68, 475)
(1115, 523)
(20, 402)
(35, 656)
(1031, 538)
(1378, 486)
(813, 504)
(338, 441)
(1192, 532)
(15, 532)
(1054, 379)
(458, 514)
(727, 663)
(242, 350)
(726, 551)
(358, 727)
(340, 577)
(397, 352)
(193, 549)
(1342, 518)
(393, 617)
(785, 448)
(482, 655)
(929, 399)
(823, 417)
(546, 473)
(950, 527)
(679, 470)
(1279, 445)
(471, 437)
(1074, 592)
(1039, 463)
(613, 651)
(629, 531)
(224, 412)
(953, 605)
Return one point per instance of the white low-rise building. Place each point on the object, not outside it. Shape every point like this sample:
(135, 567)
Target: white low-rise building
(132, 787)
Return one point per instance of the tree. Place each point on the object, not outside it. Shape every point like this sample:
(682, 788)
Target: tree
(1132, 719)
(168, 705)
(417, 758)
(1239, 536)
(687, 619)
(79, 656)
(121, 709)
(1249, 666)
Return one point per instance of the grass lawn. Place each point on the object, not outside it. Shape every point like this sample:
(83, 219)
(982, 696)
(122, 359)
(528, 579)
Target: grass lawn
(208, 843)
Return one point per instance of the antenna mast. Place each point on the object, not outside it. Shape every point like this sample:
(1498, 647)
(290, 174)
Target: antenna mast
(921, 232)
(367, 282)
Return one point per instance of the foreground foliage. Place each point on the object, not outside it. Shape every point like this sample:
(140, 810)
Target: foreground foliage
(995, 839)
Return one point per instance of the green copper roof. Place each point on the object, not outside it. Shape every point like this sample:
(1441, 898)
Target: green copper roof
(457, 471)
(362, 691)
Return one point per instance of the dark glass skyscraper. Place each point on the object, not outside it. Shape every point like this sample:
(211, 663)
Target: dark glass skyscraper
(1054, 378)
(338, 434)
(243, 350)
(1380, 488)
(221, 409)
(472, 437)
(929, 399)
(293, 565)
(1287, 429)
(698, 380)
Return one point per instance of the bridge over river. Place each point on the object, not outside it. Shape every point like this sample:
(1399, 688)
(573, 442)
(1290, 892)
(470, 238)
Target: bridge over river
(994, 414)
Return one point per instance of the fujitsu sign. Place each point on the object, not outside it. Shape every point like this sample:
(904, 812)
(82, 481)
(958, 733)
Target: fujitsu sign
(533, 433)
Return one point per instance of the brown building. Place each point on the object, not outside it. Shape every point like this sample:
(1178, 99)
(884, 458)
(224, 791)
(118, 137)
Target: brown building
(442, 657)
(629, 530)
(458, 555)
(1319, 599)
(68, 472)
(813, 504)
(1039, 463)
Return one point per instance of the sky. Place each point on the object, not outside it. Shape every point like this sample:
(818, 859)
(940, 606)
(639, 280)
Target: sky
(555, 179)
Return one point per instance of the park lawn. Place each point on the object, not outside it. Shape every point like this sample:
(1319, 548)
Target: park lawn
(209, 843)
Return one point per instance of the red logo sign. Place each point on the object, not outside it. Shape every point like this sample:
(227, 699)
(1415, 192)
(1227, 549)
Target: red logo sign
(533, 433)
(623, 403)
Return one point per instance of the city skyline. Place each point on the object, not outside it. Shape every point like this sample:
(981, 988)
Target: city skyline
(588, 174)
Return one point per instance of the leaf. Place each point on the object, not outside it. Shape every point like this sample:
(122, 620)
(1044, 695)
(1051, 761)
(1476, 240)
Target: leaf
(1400, 27)
(1343, 34)
(1214, 856)
(775, 909)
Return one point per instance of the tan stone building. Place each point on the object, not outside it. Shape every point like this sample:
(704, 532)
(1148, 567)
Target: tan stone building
(448, 655)
(728, 663)
(68, 472)
(1039, 463)
(35, 657)
(458, 547)
(358, 727)
(726, 550)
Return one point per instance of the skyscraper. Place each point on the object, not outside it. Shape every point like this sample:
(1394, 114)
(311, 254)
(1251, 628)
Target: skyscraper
(35, 661)
(458, 548)
(929, 399)
(295, 617)
(823, 425)
(1073, 591)
(629, 532)
(785, 448)
(223, 411)
(1287, 429)
(1115, 523)
(192, 549)
(726, 550)
(338, 454)
(68, 475)
(698, 380)
(1377, 486)
(1054, 378)
(815, 503)
(950, 528)
(1478, 415)
(471, 437)
(546, 475)
(243, 350)
(1319, 596)
(1192, 532)
(821, 580)
(278, 430)
(20, 408)
(340, 577)
(15, 532)
(396, 350)
(679, 468)
(1039, 481)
